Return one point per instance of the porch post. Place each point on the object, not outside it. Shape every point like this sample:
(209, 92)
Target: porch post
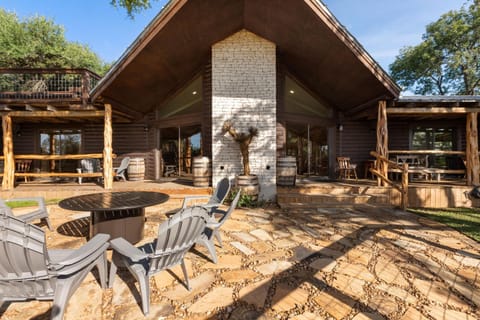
(472, 150)
(8, 161)
(382, 139)
(107, 149)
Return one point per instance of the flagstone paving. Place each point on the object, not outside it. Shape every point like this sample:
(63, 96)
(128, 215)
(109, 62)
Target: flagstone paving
(310, 263)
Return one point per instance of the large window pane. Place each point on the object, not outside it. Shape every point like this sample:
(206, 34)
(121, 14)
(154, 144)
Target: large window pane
(424, 138)
(58, 142)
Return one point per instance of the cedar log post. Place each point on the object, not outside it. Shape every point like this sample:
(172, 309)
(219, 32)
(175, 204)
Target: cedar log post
(382, 140)
(107, 149)
(8, 182)
(472, 150)
(404, 203)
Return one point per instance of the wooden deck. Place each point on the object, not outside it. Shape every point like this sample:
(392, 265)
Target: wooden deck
(431, 194)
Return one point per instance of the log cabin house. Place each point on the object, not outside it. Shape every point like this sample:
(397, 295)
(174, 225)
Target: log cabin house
(288, 68)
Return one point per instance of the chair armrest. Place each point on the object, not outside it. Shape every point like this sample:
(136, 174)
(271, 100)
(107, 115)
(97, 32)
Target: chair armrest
(126, 249)
(79, 258)
(190, 198)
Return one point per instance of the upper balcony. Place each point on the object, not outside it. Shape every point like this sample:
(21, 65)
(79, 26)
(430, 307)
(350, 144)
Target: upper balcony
(46, 86)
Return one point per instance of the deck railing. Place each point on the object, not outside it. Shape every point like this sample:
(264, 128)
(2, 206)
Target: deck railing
(28, 85)
(402, 168)
(42, 157)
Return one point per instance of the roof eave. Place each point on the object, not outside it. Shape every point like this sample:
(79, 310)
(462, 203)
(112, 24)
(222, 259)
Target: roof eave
(352, 43)
(162, 18)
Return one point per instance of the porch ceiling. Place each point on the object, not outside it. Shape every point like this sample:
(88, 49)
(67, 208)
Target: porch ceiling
(310, 42)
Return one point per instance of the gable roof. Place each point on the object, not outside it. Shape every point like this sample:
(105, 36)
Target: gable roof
(310, 41)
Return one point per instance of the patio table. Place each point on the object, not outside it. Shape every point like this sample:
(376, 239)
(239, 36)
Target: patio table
(119, 214)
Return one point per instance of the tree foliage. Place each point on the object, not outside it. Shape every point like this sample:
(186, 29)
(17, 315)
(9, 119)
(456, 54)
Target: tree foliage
(447, 61)
(38, 42)
(132, 6)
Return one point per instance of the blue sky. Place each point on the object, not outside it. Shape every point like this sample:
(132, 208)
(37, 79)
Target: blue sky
(381, 26)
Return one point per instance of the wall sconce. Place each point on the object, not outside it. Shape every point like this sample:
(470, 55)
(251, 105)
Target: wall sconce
(340, 127)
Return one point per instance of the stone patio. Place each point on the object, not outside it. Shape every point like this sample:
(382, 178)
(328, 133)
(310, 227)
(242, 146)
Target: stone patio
(356, 263)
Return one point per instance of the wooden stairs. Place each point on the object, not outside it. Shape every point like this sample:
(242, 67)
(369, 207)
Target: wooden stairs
(333, 195)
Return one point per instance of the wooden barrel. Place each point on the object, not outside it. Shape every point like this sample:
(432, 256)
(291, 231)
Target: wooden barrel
(136, 169)
(249, 186)
(286, 171)
(202, 173)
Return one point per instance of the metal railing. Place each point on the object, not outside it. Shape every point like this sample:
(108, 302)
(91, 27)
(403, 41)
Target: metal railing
(23, 85)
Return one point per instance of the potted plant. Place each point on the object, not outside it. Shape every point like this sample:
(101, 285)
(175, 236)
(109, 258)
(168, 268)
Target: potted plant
(246, 181)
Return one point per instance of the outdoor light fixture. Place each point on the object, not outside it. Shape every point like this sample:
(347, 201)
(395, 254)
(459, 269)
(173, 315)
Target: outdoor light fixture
(292, 91)
(194, 92)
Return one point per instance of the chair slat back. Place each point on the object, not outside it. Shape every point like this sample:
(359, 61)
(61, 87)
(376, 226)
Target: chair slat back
(124, 164)
(23, 165)
(23, 254)
(221, 191)
(90, 165)
(230, 209)
(176, 236)
(343, 162)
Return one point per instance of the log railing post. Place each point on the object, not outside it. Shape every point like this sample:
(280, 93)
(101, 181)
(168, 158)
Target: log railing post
(471, 154)
(107, 149)
(8, 182)
(382, 140)
(404, 204)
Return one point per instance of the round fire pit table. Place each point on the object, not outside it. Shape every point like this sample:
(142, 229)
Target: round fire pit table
(119, 214)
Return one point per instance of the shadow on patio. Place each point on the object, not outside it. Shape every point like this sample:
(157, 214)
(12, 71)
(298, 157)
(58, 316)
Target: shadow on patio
(358, 262)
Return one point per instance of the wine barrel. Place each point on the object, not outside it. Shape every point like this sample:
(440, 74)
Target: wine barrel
(249, 186)
(202, 173)
(286, 171)
(136, 169)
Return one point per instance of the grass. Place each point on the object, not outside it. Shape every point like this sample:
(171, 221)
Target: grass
(465, 220)
(21, 203)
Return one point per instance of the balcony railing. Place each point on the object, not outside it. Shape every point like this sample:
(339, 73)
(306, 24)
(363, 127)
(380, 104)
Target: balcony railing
(46, 85)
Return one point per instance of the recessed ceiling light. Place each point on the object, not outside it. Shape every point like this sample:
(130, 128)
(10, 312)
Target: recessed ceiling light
(292, 92)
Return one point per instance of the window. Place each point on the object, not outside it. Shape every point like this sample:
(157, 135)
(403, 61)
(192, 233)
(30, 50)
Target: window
(56, 142)
(433, 138)
(424, 138)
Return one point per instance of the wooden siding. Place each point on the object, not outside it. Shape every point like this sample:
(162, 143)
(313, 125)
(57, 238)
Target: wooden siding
(358, 138)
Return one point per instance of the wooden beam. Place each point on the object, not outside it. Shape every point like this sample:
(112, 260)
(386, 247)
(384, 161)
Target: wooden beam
(122, 108)
(435, 152)
(365, 105)
(473, 166)
(107, 149)
(9, 162)
(51, 108)
(382, 140)
(49, 114)
(59, 156)
(313, 120)
(431, 110)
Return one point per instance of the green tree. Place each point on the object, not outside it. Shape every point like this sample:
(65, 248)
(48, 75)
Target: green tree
(447, 61)
(132, 6)
(38, 42)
